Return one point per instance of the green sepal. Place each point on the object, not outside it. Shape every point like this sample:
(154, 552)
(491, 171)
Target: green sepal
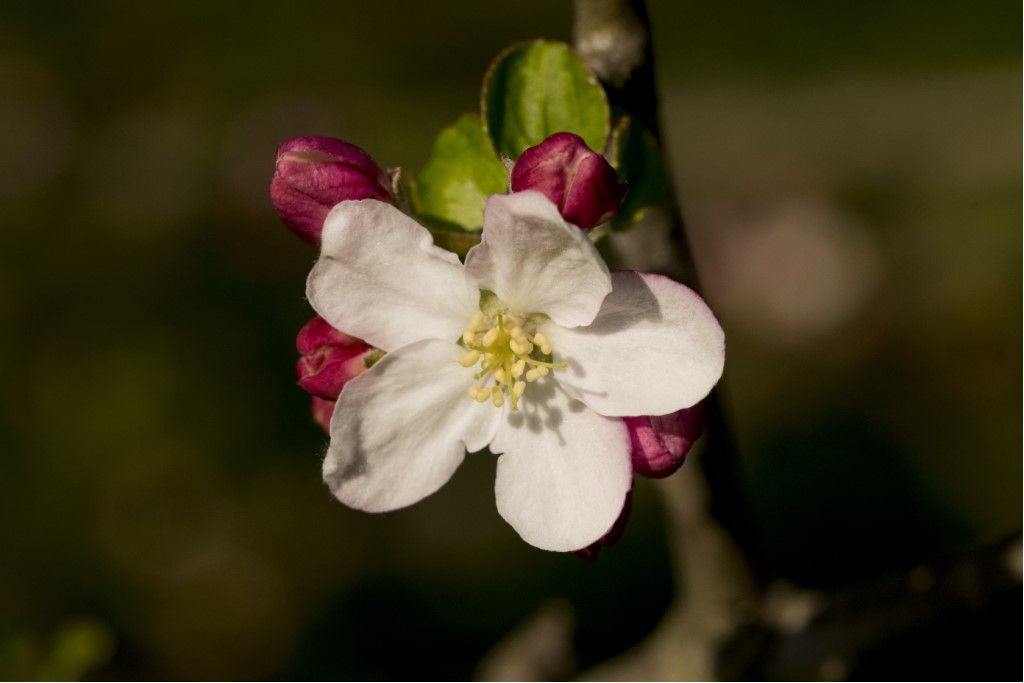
(372, 357)
(533, 90)
(490, 304)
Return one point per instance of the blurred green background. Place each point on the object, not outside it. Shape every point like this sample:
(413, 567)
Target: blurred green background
(851, 177)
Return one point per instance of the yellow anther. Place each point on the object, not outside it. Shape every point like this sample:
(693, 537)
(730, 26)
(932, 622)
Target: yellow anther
(505, 345)
(491, 336)
(518, 388)
(477, 321)
(519, 348)
(470, 359)
(542, 342)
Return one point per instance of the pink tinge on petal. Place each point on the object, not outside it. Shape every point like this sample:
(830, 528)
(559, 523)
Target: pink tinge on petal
(330, 358)
(661, 442)
(312, 174)
(322, 410)
(579, 181)
(593, 551)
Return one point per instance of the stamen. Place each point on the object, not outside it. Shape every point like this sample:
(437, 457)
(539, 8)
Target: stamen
(542, 341)
(504, 344)
(491, 336)
(521, 348)
(518, 388)
(544, 364)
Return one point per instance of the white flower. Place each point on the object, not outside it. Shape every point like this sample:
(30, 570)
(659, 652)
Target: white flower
(531, 348)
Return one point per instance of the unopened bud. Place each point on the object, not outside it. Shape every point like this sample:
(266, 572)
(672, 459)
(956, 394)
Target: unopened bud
(660, 442)
(322, 410)
(579, 181)
(315, 173)
(329, 358)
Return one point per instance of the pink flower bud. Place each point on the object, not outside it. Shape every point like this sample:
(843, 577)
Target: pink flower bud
(322, 410)
(329, 358)
(315, 173)
(592, 551)
(660, 442)
(580, 182)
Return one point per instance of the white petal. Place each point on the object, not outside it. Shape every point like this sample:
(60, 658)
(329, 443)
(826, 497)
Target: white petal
(401, 429)
(654, 348)
(536, 262)
(380, 278)
(564, 470)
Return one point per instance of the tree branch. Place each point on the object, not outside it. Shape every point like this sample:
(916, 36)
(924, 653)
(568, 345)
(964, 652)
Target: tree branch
(614, 38)
(723, 623)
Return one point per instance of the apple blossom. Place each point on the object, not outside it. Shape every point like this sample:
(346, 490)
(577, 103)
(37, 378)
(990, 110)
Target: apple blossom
(312, 174)
(660, 442)
(322, 409)
(580, 182)
(328, 358)
(532, 348)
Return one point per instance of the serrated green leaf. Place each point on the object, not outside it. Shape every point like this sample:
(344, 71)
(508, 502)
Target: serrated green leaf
(636, 156)
(533, 90)
(462, 171)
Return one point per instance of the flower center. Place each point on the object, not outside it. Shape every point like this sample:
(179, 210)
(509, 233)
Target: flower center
(511, 353)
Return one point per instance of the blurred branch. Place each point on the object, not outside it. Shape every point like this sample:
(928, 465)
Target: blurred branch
(614, 38)
(709, 530)
(932, 613)
(724, 623)
(538, 649)
(714, 593)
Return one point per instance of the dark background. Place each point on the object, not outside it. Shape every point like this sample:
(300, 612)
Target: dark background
(851, 177)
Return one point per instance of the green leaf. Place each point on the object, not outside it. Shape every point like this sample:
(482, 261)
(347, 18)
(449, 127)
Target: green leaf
(456, 241)
(460, 174)
(636, 156)
(533, 90)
